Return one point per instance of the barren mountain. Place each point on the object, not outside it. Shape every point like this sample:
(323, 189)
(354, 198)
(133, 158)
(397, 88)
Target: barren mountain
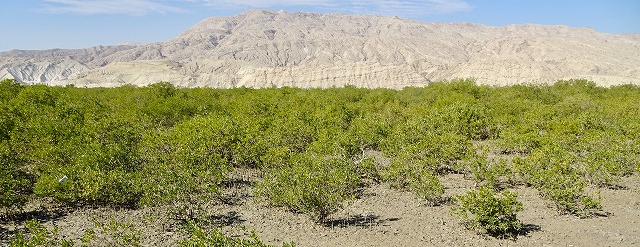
(265, 48)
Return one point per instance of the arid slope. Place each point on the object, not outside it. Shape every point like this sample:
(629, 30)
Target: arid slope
(265, 48)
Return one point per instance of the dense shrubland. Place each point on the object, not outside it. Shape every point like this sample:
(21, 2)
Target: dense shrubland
(135, 147)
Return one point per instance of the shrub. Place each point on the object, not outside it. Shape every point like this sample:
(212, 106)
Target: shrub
(162, 89)
(275, 157)
(489, 173)
(187, 164)
(433, 151)
(102, 169)
(38, 236)
(471, 120)
(417, 165)
(427, 186)
(422, 181)
(604, 158)
(215, 237)
(369, 132)
(310, 184)
(550, 171)
(9, 89)
(84, 185)
(15, 188)
(521, 142)
(485, 210)
(112, 233)
(15, 184)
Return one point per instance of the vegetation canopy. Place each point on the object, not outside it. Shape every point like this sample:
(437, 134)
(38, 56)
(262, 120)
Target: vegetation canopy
(312, 148)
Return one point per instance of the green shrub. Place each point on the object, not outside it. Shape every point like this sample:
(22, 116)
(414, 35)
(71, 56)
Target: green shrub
(293, 130)
(521, 141)
(603, 158)
(368, 169)
(550, 171)
(9, 89)
(471, 120)
(275, 157)
(112, 233)
(187, 164)
(315, 185)
(7, 122)
(427, 186)
(489, 173)
(15, 184)
(417, 165)
(485, 210)
(15, 187)
(568, 194)
(84, 185)
(162, 89)
(436, 152)
(214, 237)
(369, 132)
(112, 144)
(165, 145)
(102, 169)
(422, 181)
(38, 236)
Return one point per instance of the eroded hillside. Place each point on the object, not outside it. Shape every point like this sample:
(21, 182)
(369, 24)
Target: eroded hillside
(265, 48)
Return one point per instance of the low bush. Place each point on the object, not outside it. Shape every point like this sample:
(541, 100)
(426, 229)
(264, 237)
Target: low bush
(315, 185)
(604, 158)
(550, 171)
(38, 235)
(15, 184)
(433, 151)
(214, 237)
(417, 165)
(487, 211)
(112, 233)
(422, 181)
(186, 165)
(157, 145)
(494, 174)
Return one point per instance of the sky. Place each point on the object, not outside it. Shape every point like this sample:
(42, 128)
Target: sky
(69, 24)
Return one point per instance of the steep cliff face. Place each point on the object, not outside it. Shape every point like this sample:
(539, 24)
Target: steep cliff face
(265, 48)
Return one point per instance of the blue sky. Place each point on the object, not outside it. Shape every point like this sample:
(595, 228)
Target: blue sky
(47, 24)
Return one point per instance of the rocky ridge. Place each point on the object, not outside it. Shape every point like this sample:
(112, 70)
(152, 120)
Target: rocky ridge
(265, 48)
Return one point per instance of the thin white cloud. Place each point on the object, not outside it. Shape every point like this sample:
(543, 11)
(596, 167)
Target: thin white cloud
(383, 7)
(129, 7)
(410, 7)
(262, 4)
(405, 8)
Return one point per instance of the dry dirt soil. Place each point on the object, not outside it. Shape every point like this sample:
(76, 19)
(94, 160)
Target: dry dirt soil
(380, 216)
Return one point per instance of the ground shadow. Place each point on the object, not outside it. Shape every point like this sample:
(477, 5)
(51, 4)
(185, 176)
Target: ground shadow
(5, 235)
(41, 215)
(215, 220)
(235, 191)
(365, 221)
(18, 218)
(228, 219)
(237, 183)
(602, 214)
(529, 228)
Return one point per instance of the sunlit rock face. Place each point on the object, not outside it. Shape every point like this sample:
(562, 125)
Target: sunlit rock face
(266, 49)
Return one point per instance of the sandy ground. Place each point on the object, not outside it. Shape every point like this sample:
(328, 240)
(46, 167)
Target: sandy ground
(381, 216)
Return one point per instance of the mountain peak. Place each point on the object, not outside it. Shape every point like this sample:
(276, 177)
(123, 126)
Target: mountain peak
(260, 48)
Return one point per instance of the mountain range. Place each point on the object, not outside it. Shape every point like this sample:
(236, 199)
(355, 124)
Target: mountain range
(265, 48)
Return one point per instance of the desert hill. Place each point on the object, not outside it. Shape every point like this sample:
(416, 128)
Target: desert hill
(265, 48)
